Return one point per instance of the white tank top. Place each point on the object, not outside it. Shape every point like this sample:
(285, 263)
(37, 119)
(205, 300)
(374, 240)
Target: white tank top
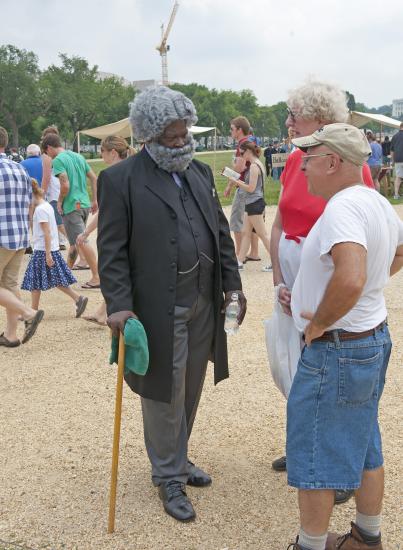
(53, 189)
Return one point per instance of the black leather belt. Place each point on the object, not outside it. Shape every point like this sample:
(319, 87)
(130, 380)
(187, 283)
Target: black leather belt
(330, 336)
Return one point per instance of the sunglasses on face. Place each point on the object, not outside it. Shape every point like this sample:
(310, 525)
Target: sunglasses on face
(291, 114)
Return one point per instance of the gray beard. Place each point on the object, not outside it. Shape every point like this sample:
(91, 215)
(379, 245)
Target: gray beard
(172, 159)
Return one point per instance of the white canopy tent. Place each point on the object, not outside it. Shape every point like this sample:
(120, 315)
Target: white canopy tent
(123, 129)
(360, 119)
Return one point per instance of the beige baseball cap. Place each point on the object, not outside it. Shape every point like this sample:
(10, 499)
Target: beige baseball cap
(347, 141)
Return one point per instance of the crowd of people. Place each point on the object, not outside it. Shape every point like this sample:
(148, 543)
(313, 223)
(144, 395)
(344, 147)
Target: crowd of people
(166, 257)
(46, 196)
(274, 148)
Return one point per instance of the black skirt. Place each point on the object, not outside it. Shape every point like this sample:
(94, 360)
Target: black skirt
(255, 208)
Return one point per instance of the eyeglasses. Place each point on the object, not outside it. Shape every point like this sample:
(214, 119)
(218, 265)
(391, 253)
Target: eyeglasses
(306, 157)
(291, 114)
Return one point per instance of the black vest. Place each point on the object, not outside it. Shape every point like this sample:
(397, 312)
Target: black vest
(195, 250)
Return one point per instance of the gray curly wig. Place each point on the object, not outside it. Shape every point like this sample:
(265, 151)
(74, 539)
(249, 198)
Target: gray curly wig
(157, 107)
(319, 100)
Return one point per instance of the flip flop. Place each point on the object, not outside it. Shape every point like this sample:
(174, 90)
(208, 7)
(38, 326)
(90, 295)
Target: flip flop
(79, 268)
(81, 304)
(8, 343)
(89, 286)
(93, 319)
(249, 259)
(31, 325)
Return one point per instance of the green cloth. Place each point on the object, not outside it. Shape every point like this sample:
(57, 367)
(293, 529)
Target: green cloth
(136, 346)
(76, 168)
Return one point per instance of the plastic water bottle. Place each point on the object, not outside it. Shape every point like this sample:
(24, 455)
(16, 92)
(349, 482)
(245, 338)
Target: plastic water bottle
(231, 315)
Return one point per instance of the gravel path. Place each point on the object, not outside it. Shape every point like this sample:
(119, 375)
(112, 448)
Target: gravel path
(57, 404)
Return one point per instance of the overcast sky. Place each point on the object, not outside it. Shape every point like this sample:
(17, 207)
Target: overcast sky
(268, 46)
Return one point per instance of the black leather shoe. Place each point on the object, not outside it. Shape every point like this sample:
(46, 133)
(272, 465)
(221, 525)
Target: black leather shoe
(197, 478)
(175, 500)
(341, 496)
(280, 464)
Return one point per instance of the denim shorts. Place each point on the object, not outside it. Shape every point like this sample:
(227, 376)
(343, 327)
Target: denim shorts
(332, 412)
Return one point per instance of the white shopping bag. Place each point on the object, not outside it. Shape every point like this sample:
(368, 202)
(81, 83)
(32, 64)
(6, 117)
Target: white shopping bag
(283, 343)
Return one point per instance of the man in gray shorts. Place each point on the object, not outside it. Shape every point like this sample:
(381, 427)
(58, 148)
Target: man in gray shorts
(75, 222)
(237, 212)
(74, 202)
(240, 131)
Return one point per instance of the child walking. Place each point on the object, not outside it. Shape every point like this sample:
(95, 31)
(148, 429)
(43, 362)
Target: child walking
(47, 268)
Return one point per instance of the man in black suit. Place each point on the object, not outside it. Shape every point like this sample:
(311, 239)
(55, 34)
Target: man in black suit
(166, 257)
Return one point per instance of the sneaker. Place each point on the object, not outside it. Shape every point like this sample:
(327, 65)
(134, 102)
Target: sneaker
(267, 268)
(280, 464)
(342, 495)
(62, 239)
(396, 197)
(294, 545)
(240, 267)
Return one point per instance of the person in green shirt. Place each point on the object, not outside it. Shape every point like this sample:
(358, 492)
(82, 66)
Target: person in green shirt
(74, 203)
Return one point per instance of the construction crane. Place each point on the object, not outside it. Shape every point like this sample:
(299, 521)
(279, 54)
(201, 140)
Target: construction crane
(163, 48)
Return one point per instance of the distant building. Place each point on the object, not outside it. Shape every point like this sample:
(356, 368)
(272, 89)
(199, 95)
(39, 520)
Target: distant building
(140, 85)
(397, 108)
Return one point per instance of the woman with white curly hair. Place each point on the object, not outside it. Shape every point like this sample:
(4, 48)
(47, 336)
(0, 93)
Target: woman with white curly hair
(310, 107)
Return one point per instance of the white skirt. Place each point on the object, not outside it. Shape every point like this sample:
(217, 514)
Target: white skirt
(289, 254)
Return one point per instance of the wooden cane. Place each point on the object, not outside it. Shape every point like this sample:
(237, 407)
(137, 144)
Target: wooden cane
(116, 435)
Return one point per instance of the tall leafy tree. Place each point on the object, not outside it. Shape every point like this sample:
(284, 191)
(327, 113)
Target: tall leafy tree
(266, 123)
(279, 110)
(218, 107)
(70, 93)
(113, 100)
(246, 104)
(77, 99)
(19, 94)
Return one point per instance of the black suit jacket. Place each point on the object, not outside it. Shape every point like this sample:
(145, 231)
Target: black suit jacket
(137, 255)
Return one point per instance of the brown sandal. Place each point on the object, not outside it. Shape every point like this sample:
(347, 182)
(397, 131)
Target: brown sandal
(8, 343)
(31, 325)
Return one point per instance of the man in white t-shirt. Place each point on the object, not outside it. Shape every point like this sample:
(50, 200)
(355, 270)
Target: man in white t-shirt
(333, 438)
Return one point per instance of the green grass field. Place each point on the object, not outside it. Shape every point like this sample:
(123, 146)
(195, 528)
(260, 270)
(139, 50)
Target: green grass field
(217, 163)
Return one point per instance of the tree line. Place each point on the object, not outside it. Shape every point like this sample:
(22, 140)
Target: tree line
(72, 96)
(69, 95)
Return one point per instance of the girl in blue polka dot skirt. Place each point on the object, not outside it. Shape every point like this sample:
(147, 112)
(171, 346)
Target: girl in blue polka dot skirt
(47, 268)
